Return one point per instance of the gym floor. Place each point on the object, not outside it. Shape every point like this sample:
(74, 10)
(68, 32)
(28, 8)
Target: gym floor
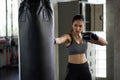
(9, 73)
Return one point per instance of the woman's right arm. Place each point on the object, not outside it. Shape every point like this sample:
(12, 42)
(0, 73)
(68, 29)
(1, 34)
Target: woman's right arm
(61, 39)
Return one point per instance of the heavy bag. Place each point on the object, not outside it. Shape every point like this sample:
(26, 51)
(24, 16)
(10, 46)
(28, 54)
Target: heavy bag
(36, 40)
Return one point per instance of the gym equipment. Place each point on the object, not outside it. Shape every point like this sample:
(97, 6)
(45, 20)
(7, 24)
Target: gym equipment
(36, 40)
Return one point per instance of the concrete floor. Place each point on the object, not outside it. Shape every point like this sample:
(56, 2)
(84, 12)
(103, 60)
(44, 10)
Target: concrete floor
(9, 73)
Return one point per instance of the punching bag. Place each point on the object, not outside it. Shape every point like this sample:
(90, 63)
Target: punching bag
(36, 40)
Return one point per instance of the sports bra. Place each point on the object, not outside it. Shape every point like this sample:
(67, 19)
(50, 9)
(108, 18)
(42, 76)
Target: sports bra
(75, 48)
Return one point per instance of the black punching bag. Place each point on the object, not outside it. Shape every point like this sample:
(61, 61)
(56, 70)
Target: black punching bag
(36, 40)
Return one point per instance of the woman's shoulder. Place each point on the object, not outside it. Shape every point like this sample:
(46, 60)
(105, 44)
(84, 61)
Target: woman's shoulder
(66, 34)
(69, 35)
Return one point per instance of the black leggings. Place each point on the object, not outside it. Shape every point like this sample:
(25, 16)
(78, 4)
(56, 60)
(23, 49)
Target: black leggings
(78, 72)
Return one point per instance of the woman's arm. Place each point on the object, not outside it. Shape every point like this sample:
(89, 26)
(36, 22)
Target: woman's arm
(61, 39)
(93, 38)
(100, 41)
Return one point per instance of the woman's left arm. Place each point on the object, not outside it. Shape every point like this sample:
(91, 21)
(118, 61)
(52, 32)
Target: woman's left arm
(94, 38)
(100, 41)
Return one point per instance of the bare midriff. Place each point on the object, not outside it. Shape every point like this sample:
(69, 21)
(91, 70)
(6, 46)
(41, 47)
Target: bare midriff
(77, 58)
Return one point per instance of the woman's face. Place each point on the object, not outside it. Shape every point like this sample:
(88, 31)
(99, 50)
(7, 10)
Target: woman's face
(78, 26)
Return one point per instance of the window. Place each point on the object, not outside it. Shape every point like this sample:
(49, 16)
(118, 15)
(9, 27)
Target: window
(101, 50)
(96, 1)
(101, 58)
(9, 18)
(2, 18)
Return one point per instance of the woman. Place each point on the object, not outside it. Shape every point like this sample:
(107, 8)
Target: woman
(76, 44)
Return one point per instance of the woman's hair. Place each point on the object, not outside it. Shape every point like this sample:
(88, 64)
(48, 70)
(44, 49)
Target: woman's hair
(78, 17)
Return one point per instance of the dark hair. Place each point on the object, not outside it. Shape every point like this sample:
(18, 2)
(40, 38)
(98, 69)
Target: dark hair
(78, 17)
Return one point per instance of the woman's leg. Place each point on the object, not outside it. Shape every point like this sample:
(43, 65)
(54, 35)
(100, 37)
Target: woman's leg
(72, 76)
(85, 73)
(72, 73)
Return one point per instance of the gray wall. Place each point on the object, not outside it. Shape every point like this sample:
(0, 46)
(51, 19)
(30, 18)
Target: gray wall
(113, 31)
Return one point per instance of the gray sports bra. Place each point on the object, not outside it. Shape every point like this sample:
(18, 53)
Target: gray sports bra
(75, 48)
